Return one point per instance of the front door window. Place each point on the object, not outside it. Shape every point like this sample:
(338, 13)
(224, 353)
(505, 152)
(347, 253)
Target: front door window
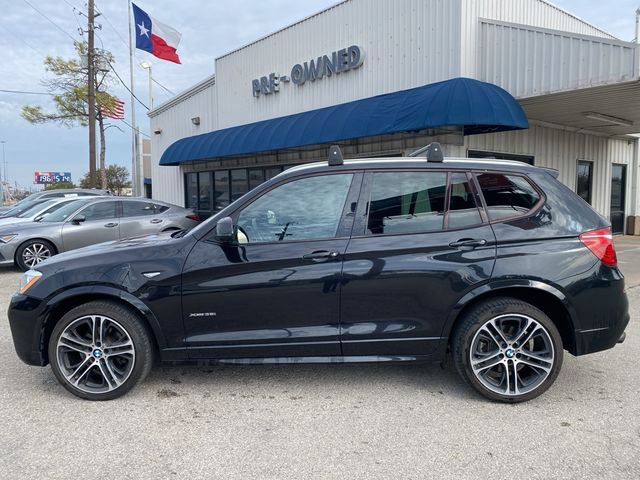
(304, 209)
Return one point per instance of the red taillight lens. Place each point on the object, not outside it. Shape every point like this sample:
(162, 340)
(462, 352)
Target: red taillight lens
(600, 242)
(194, 216)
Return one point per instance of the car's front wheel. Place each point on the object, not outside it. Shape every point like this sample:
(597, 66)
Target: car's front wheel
(100, 350)
(33, 252)
(508, 350)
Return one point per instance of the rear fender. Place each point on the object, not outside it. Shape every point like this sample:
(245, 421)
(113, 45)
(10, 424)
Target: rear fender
(498, 285)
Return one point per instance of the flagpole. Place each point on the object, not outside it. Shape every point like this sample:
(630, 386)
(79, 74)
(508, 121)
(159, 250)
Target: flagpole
(134, 129)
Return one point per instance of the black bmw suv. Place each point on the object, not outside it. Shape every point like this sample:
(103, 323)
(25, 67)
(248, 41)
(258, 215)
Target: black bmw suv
(495, 263)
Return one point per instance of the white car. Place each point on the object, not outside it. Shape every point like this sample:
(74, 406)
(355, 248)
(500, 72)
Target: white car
(38, 211)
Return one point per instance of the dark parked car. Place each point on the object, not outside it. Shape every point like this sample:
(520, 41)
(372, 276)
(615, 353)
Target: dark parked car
(398, 260)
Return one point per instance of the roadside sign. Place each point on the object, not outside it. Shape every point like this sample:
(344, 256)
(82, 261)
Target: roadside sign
(45, 178)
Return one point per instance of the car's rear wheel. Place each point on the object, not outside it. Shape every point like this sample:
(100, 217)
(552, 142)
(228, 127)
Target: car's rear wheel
(100, 351)
(33, 252)
(508, 350)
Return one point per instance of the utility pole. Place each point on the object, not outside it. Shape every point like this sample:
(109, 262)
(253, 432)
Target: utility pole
(5, 172)
(92, 94)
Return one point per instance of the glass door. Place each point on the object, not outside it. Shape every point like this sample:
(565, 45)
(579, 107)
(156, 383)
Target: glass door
(618, 183)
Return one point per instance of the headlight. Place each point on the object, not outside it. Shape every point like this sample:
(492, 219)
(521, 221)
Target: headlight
(7, 238)
(28, 279)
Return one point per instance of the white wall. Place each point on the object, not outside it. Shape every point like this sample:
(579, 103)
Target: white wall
(528, 61)
(536, 13)
(561, 149)
(406, 43)
(175, 123)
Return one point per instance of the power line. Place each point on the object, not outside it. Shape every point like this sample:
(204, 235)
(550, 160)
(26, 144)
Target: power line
(125, 86)
(131, 127)
(26, 92)
(112, 26)
(23, 41)
(50, 21)
(162, 86)
(76, 15)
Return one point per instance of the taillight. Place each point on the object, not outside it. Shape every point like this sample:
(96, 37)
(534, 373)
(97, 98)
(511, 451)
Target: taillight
(600, 242)
(194, 216)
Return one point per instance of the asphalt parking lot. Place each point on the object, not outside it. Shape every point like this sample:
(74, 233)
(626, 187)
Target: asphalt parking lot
(323, 421)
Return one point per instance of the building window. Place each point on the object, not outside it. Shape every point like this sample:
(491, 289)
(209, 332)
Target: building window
(256, 177)
(210, 192)
(204, 192)
(502, 156)
(584, 182)
(191, 190)
(239, 183)
(222, 191)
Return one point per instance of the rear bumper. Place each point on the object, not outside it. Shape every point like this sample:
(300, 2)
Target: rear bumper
(602, 310)
(591, 341)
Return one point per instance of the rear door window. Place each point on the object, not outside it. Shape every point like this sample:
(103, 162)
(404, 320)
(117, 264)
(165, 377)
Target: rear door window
(132, 208)
(100, 211)
(463, 211)
(507, 196)
(406, 202)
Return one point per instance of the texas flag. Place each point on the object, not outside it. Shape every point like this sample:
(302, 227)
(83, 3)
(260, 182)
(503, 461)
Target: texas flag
(155, 37)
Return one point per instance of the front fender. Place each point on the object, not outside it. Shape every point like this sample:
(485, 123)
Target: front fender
(103, 292)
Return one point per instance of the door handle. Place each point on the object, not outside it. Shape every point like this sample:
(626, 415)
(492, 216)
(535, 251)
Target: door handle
(468, 243)
(321, 256)
(111, 225)
(156, 220)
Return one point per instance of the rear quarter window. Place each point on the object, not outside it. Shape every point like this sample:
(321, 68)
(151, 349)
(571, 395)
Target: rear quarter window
(506, 195)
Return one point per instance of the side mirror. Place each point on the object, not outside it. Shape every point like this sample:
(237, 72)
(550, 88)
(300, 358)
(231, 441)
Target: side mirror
(225, 231)
(78, 219)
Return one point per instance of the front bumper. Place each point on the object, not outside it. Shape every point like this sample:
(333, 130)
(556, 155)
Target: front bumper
(7, 253)
(25, 320)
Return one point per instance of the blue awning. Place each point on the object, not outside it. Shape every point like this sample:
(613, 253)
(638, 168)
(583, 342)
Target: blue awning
(477, 106)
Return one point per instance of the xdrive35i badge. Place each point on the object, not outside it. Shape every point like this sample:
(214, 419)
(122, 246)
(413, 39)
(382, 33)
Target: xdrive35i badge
(202, 314)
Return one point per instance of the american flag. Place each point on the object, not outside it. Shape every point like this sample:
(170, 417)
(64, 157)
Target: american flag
(117, 112)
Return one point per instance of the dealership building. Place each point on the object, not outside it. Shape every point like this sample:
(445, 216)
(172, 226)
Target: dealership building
(511, 80)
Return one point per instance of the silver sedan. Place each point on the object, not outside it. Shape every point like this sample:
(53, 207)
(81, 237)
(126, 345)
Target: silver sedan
(88, 221)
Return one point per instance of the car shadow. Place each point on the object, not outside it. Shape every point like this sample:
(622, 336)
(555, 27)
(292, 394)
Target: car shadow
(428, 378)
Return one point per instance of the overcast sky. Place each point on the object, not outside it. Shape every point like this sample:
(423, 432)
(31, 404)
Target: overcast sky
(209, 29)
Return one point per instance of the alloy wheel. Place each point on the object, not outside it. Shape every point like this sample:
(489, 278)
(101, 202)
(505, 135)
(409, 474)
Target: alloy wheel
(512, 354)
(95, 354)
(35, 253)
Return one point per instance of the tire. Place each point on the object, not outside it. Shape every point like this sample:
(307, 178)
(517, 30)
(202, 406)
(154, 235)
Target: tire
(33, 252)
(505, 339)
(100, 350)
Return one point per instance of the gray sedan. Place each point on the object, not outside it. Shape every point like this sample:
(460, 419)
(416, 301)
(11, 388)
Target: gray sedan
(88, 221)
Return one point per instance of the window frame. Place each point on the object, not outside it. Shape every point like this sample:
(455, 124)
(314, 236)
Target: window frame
(362, 219)
(591, 165)
(534, 210)
(117, 209)
(501, 156)
(345, 223)
(147, 201)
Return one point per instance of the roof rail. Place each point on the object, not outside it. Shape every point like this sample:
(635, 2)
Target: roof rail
(433, 152)
(335, 156)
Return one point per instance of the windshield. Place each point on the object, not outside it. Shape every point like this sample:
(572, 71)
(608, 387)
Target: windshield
(64, 212)
(18, 208)
(34, 209)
